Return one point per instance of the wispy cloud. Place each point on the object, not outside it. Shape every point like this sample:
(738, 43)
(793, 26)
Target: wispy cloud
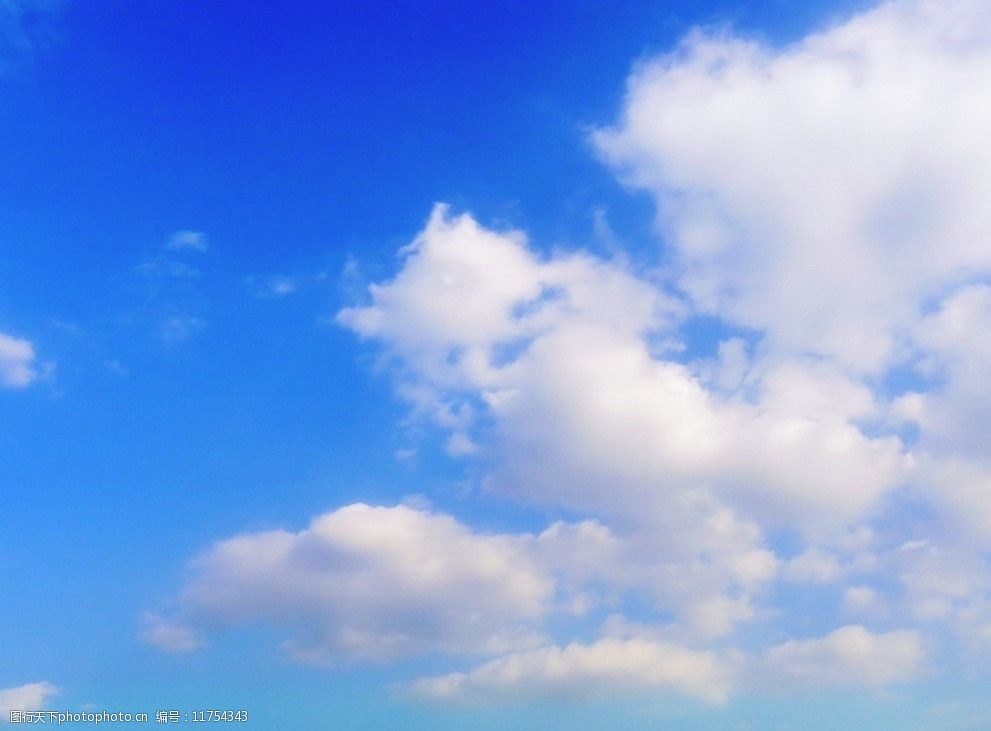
(187, 240)
(583, 672)
(170, 636)
(25, 27)
(281, 286)
(284, 285)
(177, 328)
(848, 657)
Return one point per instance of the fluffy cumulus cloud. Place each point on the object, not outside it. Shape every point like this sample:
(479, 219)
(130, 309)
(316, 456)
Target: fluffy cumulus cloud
(556, 359)
(827, 202)
(17, 362)
(554, 366)
(823, 193)
(30, 697)
(369, 583)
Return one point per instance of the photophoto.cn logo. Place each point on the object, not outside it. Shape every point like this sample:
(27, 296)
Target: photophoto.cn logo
(16, 716)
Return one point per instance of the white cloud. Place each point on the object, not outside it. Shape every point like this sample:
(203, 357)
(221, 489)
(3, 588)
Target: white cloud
(506, 360)
(821, 193)
(953, 416)
(552, 366)
(280, 286)
(812, 567)
(370, 583)
(960, 491)
(557, 354)
(460, 444)
(170, 636)
(850, 656)
(939, 582)
(953, 340)
(186, 240)
(17, 367)
(864, 601)
(638, 660)
(580, 672)
(30, 697)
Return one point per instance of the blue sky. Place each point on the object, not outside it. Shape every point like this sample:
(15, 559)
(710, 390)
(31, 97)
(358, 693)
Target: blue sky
(500, 366)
